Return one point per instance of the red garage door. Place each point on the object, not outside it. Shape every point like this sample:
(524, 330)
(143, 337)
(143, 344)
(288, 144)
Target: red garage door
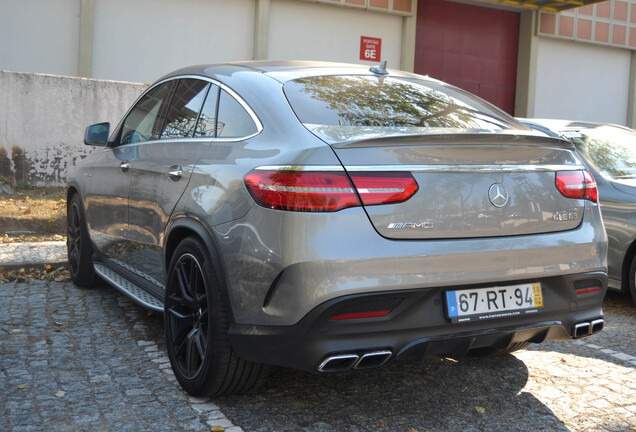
(472, 47)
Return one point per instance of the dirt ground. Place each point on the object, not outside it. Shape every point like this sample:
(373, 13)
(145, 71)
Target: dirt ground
(33, 214)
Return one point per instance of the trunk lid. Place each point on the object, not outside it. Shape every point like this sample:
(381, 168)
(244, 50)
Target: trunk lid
(470, 185)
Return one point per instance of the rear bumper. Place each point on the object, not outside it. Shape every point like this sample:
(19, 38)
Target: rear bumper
(282, 265)
(416, 326)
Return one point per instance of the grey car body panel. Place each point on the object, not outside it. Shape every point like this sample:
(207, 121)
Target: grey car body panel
(279, 266)
(618, 204)
(313, 260)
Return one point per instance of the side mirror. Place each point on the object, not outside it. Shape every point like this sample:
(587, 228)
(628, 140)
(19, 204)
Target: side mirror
(97, 134)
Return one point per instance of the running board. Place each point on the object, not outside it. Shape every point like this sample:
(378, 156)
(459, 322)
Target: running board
(137, 294)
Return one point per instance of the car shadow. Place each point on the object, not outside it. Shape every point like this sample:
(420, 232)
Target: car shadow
(434, 394)
(610, 345)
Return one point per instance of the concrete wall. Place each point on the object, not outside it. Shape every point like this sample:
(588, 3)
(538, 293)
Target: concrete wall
(43, 118)
(142, 40)
(326, 33)
(580, 81)
(39, 36)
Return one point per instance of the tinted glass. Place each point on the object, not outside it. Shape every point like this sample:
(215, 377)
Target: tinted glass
(146, 118)
(207, 120)
(184, 108)
(234, 121)
(611, 150)
(345, 107)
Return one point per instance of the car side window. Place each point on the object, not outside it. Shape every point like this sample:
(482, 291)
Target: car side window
(207, 119)
(144, 121)
(233, 120)
(184, 108)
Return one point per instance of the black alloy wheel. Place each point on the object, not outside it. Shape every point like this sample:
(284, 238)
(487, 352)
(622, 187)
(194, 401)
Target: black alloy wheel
(187, 313)
(196, 324)
(78, 245)
(632, 279)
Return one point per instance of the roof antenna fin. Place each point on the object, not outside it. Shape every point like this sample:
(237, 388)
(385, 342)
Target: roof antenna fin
(381, 69)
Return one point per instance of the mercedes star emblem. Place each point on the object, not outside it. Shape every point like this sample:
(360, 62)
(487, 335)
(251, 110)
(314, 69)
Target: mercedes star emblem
(498, 195)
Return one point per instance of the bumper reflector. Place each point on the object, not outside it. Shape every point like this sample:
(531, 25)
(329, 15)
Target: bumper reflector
(588, 290)
(358, 315)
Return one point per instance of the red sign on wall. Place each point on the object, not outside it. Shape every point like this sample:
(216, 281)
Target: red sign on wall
(370, 48)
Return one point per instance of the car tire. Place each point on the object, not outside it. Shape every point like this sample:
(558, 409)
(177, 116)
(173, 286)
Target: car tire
(196, 325)
(78, 245)
(632, 279)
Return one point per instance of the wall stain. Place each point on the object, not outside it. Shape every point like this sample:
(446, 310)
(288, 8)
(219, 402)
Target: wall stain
(6, 173)
(17, 156)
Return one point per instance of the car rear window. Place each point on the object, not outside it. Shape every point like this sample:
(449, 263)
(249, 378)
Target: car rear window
(349, 107)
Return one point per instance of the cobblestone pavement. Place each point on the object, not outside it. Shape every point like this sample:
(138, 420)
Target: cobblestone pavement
(89, 359)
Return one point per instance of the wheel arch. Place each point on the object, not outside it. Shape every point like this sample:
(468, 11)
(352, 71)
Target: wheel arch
(181, 227)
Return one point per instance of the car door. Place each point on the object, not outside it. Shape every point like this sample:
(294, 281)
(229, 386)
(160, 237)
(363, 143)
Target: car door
(107, 197)
(161, 171)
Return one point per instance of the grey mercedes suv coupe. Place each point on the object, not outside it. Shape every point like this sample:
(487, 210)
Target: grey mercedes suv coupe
(331, 217)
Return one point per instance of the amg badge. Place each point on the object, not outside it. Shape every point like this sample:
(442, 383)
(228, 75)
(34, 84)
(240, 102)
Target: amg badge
(411, 225)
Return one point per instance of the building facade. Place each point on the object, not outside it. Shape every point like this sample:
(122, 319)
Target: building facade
(577, 64)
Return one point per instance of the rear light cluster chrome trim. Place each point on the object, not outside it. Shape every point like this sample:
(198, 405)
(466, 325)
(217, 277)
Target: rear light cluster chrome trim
(426, 168)
(299, 168)
(465, 168)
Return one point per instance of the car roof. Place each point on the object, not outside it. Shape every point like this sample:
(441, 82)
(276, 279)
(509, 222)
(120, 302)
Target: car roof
(283, 70)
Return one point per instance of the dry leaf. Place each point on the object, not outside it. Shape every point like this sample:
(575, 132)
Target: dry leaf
(22, 386)
(60, 394)
(480, 410)
(16, 330)
(57, 330)
(49, 341)
(217, 429)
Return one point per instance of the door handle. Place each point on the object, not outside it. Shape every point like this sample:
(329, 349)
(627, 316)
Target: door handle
(175, 172)
(124, 166)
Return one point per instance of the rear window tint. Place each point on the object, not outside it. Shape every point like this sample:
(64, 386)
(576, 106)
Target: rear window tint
(342, 107)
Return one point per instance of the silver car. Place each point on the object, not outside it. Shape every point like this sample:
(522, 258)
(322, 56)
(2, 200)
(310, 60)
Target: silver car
(331, 217)
(609, 151)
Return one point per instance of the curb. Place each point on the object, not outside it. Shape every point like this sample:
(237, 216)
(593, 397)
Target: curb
(37, 265)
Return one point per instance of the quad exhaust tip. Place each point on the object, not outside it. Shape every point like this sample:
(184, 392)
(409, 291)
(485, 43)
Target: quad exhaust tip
(343, 362)
(583, 329)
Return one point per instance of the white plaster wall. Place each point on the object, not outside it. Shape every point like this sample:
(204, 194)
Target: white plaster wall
(43, 118)
(577, 81)
(307, 31)
(39, 36)
(142, 40)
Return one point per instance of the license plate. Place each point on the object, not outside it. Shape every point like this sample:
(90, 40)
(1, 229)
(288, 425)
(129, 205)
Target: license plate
(496, 302)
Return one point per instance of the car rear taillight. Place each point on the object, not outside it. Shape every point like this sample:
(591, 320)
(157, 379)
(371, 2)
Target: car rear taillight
(577, 184)
(384, 187)
(326, 191)
(301, 190)
(591, 191)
